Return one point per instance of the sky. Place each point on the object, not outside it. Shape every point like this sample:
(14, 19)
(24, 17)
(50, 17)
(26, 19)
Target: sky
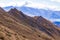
(45, 4)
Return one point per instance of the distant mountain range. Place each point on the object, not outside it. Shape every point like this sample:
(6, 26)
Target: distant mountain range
(15, 25)
(37, 12)
(48, 14)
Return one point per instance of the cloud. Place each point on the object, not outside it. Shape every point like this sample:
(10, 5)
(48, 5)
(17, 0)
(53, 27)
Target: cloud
(43, 6)
(20, 3)
(55, 0)
(2, 4)
(12, 4)
(5, 4)
(34, 4)
(53, 7)
(53, 20)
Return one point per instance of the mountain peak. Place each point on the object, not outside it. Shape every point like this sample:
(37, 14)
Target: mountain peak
(13, 9)
(38, 17)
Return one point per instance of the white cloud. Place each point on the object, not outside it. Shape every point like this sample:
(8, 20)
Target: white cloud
(20, 3)
(43, 6)
(55, 0)
(35, 5)
(53, 7)
(2, 4)
(7, 4)
(31, 4)
(53, 20)
(12, 4)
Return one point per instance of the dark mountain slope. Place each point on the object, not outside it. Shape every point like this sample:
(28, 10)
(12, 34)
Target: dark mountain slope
(48, 26)
(41, 24)
(25, 27)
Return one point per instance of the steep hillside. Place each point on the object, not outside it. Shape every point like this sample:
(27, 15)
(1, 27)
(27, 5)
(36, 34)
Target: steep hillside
(14, 25)
(48, 27)
(8, 34)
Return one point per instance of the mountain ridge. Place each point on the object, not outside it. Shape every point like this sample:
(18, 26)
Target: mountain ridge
(40, 12)
(27, 27)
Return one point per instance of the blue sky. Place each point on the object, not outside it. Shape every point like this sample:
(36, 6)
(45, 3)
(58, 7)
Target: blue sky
(51, 4)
